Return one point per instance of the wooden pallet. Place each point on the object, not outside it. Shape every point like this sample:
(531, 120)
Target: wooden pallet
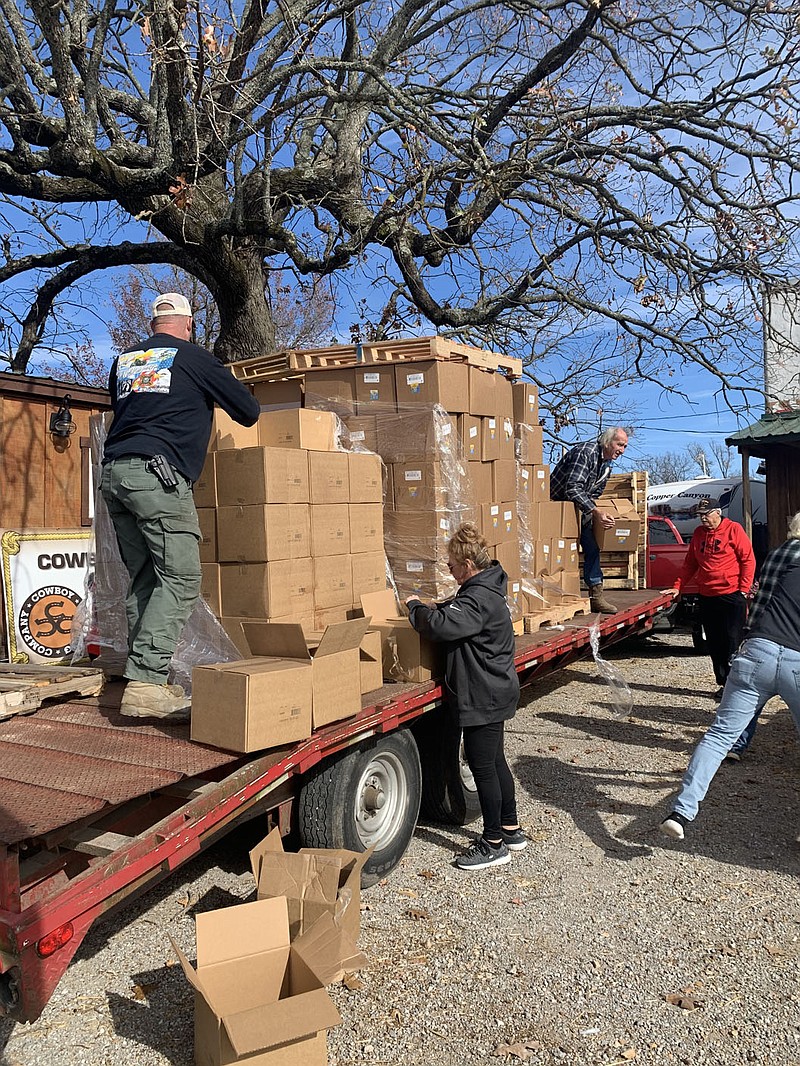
(423, 348)
(24, 688)
(628, 570)
(555, 615)
(337, 355)
(264, 366)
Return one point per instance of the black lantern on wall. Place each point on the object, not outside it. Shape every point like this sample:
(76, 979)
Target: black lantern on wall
(61, 424)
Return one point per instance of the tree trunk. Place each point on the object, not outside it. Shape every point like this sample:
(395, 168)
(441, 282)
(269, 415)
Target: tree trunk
(246, 326)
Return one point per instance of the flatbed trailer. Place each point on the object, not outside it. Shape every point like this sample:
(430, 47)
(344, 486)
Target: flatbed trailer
(95, 809)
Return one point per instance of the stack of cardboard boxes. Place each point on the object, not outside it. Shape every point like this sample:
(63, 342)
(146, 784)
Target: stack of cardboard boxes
(292, 527)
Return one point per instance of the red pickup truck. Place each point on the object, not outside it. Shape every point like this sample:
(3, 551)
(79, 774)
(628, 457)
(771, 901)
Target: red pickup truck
(666, 552)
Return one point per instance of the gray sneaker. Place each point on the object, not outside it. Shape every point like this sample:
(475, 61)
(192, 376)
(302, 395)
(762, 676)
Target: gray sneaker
(142, 699)
(481, 855)
(514, 839)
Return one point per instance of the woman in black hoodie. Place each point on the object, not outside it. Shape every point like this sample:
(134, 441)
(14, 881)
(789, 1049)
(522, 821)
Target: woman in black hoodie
(484, 688)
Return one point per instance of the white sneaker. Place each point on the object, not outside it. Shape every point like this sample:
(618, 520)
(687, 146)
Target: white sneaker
(673, 827)
(142, 699)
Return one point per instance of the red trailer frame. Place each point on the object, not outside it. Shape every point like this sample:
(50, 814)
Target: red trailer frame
(53, 887)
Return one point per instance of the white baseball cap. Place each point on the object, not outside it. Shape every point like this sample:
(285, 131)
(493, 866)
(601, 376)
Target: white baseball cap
(171, 303)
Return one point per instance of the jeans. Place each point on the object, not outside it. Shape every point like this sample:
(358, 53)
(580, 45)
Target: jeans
(761, 670)
(723, 619)
(592, 574)
(483, 749)
(159, 540)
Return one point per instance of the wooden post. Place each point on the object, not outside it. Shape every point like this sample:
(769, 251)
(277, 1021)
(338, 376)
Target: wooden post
(747, 502)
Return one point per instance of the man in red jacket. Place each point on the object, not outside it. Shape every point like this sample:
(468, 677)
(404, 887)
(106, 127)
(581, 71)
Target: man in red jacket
(721, 559)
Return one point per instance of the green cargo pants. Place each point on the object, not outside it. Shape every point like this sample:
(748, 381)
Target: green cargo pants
(158, 536)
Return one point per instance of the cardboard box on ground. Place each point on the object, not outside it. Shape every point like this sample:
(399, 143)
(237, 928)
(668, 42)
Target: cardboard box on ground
(260, 994)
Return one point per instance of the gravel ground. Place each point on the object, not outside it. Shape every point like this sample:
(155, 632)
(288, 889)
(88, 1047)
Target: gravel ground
(567, 954)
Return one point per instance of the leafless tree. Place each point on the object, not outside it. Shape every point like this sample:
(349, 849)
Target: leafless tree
(665, 468)
(726, 458)
(538, 173)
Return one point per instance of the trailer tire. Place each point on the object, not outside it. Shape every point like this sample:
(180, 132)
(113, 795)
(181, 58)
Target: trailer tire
(368, 796)
(449, 795)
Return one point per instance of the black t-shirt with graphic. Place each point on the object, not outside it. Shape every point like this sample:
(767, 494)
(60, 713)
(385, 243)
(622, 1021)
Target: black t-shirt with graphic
(163, 393)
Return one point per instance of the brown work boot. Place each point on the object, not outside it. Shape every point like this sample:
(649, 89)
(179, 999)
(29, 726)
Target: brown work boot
(142, 699)
(598, 601)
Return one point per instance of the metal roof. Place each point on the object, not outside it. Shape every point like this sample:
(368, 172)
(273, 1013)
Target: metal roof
(769, 430)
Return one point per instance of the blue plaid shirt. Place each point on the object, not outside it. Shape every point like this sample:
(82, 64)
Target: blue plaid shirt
(775, 566)
(580, 475)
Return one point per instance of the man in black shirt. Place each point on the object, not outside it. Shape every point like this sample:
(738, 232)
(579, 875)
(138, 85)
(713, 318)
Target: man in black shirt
(163, 393)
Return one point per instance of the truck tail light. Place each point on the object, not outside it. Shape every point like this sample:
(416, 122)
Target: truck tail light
(51, 943)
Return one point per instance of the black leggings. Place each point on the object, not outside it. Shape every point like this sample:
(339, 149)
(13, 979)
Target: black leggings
(483, 748)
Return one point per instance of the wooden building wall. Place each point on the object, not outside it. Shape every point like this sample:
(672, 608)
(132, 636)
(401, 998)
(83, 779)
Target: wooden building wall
(783, 488)
(44, 479)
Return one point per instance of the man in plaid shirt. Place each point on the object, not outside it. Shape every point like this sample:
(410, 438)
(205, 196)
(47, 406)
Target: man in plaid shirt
(579, 477)
(766, 665)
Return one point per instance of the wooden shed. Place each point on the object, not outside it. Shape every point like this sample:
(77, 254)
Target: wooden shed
(776, 439)
(45, 478)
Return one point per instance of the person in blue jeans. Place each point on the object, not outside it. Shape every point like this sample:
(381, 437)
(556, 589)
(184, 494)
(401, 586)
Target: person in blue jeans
(767, 664)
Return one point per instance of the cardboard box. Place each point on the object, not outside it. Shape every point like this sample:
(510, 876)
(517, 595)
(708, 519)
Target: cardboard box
(525, 398)
(366, 478)
(419, 486)
(504, 479)
(227, 434)
(361, 431)
(330, 529)
(263, 590)
(491, 523)
(279, 395)
(327, 616)
(412, 435)
(540, 476)
(375, 385)
(263, 533)
(504, 398)
(545, 520)
(259, 998)
(529, 444)
(624, 535)
(366, 526)
(406, 655)
(482, 392)
(371, 660)
(437, 381)
(507, 555)
(205, 488)
(316, 882)
(490, 438)
(418, 534)
(570, 526)
(558, 554)
(207, 520)
(469, 430)
(328, 477)
(509, 525)
(261, 475)
(333, 581)
(333, 657)
(314, 430)
(480, 478)
(541, 557)
(209, 586)
(252, 704)
(332, 389)
(369, 573)
(425, 578)
(233, 628)
(507, 442)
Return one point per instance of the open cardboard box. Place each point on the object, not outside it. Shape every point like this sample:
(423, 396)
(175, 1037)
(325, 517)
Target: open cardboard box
(315, 881)
(334, 659)
(406, 655)
(259, 997)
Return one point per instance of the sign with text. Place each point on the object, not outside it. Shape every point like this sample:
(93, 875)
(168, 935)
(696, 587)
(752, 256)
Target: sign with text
(44, 577)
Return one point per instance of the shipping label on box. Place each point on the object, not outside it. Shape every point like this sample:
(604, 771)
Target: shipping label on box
(329, 477)
(261, 475)
(330, 529)
(313, 430)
